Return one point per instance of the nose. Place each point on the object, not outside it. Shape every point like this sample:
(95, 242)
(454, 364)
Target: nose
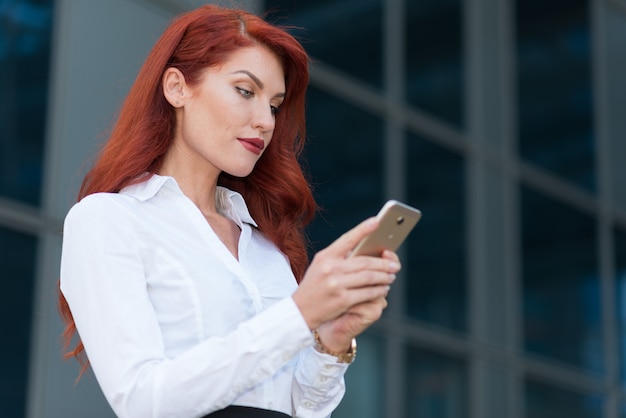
(264, 118)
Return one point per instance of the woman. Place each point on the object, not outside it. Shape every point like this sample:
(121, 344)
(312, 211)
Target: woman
(184, 266)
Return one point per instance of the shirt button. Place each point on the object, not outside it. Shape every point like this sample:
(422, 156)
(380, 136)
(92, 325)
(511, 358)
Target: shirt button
(323, 378)
(308, 404)
(270, 405)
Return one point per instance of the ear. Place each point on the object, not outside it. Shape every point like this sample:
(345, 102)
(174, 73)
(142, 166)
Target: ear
(174, 87)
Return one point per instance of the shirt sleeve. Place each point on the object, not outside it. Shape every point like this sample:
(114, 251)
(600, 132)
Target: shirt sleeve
(318, 384)
(103, 280)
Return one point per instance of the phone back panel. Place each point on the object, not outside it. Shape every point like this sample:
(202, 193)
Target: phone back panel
(396, 222)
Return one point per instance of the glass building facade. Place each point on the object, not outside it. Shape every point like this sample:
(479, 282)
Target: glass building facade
(25, 42)
(500, 119)
(496, 119)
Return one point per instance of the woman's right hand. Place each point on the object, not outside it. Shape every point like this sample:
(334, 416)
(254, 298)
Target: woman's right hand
(335, 282)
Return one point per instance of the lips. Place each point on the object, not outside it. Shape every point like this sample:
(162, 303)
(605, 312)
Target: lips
(254, 145)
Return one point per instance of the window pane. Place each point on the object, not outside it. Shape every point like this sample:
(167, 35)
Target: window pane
(17, 264)
(25, 33)
(614, 27)
(345, 160)
(545, 401)
(554, 87)
(436, 385)
(346, 34)
(562, 315)
(620, 269)
(434, 58)
(435, 256)
(364, 397)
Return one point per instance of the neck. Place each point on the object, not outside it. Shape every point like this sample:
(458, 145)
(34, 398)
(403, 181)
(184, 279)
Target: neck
(198, 183)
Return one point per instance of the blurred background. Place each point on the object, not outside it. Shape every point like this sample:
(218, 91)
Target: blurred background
(502, 120)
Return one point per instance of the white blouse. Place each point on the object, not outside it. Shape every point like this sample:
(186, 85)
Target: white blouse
(173, 324)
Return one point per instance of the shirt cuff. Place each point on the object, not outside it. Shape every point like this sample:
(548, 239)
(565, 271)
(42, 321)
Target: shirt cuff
(321, 382)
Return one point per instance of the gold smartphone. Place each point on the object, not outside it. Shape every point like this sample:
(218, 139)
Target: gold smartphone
(396, 222)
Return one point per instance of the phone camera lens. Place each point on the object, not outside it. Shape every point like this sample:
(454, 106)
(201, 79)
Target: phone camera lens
(400, 220)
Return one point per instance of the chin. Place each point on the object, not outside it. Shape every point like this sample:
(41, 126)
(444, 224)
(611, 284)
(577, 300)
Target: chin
(240, 172)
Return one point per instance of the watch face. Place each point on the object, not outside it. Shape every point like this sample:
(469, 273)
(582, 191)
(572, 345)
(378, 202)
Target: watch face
(349, 356)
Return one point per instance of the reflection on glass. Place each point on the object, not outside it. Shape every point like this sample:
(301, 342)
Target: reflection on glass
(562, 315)
(619, 237)
(554, 87)
(365, 382)
(546, 401)
(435, 258)
(25, 28)
(344, 156)
(434, 58)
(436, 385)
(345, 34)
(17, 261)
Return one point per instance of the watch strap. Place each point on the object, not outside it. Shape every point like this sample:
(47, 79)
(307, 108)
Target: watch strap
(347, 357)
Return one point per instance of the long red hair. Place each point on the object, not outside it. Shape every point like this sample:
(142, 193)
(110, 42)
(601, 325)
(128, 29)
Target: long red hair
(277, 192)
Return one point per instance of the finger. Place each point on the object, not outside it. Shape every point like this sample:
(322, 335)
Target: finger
(363, 309)
(368, 313)
(393, 258)
(367, 278)
(368, 294)
(390, 255)
(345, 243)
(364, 263)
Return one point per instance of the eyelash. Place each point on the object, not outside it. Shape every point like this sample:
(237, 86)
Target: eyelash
(245, 93)
(248, 94)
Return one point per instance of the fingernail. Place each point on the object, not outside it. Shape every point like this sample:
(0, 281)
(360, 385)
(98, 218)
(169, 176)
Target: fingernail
(394, 266)
(392, 278)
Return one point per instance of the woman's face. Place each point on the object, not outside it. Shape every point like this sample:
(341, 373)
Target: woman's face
(226, 121)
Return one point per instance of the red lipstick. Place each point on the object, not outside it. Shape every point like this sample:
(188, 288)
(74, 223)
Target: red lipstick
(254, 145)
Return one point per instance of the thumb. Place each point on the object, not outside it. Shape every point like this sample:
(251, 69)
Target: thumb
(346, 243)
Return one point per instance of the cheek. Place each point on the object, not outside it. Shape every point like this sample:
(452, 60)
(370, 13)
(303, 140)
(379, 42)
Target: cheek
(207, 118)
(269, 138)
(225, 114)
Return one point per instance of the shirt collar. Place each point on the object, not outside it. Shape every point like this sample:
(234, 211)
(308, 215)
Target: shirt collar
(229, 202)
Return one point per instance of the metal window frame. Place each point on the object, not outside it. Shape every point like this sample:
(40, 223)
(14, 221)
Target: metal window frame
(480, 353)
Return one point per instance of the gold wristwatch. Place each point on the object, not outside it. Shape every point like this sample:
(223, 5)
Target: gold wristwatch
(347, 357)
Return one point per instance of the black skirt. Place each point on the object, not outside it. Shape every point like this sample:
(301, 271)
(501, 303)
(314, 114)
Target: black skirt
(245, 412)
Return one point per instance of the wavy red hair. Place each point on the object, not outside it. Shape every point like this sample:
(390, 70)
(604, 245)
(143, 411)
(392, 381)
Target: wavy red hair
(277, 192)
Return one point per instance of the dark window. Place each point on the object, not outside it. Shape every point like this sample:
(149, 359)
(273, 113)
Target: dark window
(613, 31)
(554, 88)
(434, 58)
(561, 292)
(17, 264)
(435, 252)
(546, 401)
(366, 380)
(436, 385)
(344, 157)
(346, 34)
(620, 272)
(25, 33)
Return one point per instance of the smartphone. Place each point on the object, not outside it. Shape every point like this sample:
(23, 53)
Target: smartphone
(396, 221)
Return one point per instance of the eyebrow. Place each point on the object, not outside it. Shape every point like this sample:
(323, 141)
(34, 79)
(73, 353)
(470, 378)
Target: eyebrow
(256, 80)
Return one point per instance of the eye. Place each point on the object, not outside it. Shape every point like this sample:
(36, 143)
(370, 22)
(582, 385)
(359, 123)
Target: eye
(275, 109)
(245, 93)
